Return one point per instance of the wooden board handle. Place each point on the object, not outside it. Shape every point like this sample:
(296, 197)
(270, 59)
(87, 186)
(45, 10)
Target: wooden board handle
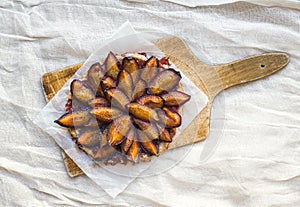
(220, 77)
(250, 68)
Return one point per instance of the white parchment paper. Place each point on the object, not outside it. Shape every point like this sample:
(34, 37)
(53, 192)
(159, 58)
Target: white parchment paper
(114, 179)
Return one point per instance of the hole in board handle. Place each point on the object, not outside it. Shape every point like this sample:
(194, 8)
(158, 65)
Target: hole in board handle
(262, 66)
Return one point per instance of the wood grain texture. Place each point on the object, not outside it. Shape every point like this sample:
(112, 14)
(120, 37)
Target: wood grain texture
(210, 79)
(250, 69)
(52, 82)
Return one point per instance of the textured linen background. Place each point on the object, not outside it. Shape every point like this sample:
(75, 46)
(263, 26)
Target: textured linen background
(252, 155)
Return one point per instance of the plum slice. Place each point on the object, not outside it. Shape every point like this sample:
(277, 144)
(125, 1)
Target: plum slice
(118, 129)
(166, 80)
(165, 136)
(148, 128)
(95, 73)
(169, 118)
(151, 101)
(89, 138)
(147, 144)
(175, 98)
(130, 65)
(98, 102)
(117, 98)
(133, 152)
(106, 113)
(112, 66)
(125, 83)
(107, 83)
(82, 91)
(73, 119)
(150, 69)
(130, 137)
(139, 90)
(142, 112)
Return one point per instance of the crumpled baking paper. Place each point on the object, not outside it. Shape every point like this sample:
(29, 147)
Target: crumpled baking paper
(114, 179)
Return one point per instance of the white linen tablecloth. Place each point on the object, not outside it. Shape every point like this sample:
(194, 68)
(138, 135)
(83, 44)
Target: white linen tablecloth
(252, 156)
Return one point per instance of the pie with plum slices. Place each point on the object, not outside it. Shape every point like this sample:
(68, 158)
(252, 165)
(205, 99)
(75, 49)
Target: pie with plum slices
(125, 109)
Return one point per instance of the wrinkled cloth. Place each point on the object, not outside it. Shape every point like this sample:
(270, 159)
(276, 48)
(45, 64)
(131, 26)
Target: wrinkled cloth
(250, 158)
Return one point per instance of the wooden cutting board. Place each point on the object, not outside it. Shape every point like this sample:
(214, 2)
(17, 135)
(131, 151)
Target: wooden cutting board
(210, 79)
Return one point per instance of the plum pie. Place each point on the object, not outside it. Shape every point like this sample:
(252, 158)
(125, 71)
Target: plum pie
(125, 109)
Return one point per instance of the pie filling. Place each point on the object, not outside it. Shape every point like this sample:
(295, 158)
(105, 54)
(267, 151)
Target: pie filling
(125, 109)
